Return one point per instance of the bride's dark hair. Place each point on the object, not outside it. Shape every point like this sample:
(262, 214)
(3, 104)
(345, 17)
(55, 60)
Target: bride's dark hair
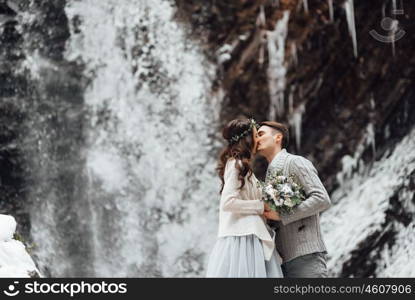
(240, 150)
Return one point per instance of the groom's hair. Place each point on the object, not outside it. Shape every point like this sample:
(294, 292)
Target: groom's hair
(281, 128)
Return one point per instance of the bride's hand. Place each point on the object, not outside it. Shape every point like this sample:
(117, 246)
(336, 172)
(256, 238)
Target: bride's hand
(272, 215)
(266, 207)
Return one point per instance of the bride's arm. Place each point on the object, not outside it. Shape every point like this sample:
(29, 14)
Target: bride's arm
(231, 199)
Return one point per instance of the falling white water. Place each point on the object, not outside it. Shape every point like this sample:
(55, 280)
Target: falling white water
(276, 68)
(359, 209)
(149, 152)
(349, 8)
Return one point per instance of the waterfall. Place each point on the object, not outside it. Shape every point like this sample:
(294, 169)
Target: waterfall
(148, 157)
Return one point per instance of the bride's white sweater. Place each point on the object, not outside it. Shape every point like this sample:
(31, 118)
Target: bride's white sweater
(240, 211)
(14, 259)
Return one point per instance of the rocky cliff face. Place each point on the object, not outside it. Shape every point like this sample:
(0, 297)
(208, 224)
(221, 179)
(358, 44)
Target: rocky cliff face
(318, 66)
(348, 96)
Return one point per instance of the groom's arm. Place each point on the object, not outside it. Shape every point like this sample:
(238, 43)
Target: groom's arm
(317, 197)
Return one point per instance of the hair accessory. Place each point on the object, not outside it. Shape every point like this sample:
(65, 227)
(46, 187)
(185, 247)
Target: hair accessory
(236, 138)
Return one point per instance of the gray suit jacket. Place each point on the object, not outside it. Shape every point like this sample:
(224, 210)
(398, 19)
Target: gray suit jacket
(299, 233)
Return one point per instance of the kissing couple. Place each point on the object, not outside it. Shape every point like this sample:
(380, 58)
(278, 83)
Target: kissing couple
(254, 240)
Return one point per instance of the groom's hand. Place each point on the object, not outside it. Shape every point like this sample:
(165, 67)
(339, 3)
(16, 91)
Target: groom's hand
(272, 215)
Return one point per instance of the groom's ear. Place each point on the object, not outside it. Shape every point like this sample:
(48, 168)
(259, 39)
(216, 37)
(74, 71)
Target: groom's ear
(278, 138)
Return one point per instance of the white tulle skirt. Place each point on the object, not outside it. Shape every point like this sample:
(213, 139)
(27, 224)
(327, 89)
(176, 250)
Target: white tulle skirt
(241, 256)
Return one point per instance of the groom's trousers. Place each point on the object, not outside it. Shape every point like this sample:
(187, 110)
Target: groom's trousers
(307, 266)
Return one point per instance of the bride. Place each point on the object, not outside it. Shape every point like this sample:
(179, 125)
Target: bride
(245, 245)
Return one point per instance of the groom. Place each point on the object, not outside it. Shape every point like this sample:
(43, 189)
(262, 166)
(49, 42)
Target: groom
(298, 235)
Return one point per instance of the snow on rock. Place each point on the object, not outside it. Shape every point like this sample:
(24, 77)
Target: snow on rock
(8, 227)
(360, 216)
(14, 260)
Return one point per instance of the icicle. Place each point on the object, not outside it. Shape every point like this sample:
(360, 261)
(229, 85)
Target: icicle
(387, 132)
(296, 121)
(370, 130)
(331, 10)
(394, 29)
(349, 8)
(261, 54)
(261, 22)
(276, 69)
(261, 17)
(294, 53)
(291, 101)
(371, 127)
(305, 4)
(372, 102)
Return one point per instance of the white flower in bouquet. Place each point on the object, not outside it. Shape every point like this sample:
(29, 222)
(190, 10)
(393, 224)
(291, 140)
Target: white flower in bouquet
(269, 190)
(288, 202)
(286, 189)
(279, 201)
(281, 178)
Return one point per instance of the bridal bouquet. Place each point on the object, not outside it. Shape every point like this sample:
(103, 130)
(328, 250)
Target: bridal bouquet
(282, 193)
